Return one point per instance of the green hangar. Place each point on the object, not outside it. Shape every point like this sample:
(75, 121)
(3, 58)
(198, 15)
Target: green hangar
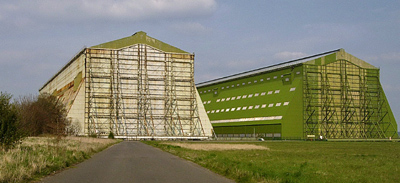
(332, 95)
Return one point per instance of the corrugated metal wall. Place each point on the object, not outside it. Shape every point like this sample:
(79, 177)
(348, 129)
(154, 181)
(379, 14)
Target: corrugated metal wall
(141, 91)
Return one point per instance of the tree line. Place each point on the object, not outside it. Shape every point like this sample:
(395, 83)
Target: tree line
(30, 116)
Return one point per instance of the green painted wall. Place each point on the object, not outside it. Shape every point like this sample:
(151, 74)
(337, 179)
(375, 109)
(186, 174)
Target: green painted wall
(344, 99)
(335, 95)
(248, 129)
(260, 91)
(293, 120)
(389, 119)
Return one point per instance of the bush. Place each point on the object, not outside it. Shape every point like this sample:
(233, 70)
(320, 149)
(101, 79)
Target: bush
(44, 114)
(9, 133)
(111, 135)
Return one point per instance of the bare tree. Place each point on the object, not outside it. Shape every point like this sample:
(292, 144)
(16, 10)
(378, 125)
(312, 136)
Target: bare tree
(43, 114)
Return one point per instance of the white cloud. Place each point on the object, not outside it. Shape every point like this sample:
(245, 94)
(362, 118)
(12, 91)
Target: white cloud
(149, 8)
(190, 28)
(390, 57)
(126, 10)
(286, 55)
(391, 88)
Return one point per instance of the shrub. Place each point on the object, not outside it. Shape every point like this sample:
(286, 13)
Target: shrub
(44, 114)
(9, 133)
(111, 135)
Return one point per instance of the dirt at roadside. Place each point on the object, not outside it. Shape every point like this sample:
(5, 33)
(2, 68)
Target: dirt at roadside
(217, 147)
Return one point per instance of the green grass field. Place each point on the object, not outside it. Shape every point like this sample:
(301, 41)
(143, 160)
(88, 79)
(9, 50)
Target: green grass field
(299, 161)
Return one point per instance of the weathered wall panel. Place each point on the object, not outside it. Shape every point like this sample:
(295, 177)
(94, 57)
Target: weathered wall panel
(133, 91)
(142, 90)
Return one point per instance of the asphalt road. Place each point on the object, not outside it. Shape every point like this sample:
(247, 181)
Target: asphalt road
(131, 161)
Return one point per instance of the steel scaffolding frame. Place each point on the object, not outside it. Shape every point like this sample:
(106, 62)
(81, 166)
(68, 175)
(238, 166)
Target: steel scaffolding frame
(343, 100)
(140, 91)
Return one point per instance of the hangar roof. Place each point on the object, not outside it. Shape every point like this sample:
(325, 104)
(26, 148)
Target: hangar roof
(306, 60)
(139, 38)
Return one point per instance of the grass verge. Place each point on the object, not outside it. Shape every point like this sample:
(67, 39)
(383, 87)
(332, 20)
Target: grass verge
(37, 157)
(299, 161)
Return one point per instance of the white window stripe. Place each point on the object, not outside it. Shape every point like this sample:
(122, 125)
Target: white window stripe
(248, 119)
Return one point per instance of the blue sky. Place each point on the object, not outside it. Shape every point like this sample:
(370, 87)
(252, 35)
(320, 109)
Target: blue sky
(227, 37)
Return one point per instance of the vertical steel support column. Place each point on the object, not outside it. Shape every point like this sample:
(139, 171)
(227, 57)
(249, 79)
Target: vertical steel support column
(90, 97)
(145, 119)
(112, 122)
(196, 128)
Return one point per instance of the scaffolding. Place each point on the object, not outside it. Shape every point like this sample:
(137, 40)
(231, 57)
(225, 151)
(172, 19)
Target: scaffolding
(140, 92)
(344, 100)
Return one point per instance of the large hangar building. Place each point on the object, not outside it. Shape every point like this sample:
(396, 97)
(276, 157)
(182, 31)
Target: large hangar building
(334, 95)
(136, 87)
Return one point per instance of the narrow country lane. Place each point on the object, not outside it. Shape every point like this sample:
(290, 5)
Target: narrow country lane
(132, 161)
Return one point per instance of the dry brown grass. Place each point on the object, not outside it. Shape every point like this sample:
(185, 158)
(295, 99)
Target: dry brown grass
(217, 146)
(39, 156)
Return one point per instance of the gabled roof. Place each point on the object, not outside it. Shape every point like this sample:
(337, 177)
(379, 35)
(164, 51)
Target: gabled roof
(265, 69)
(338, 54)
(139, 38)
